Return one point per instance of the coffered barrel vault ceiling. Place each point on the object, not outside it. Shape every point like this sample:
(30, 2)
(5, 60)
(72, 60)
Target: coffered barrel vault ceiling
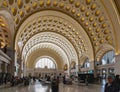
(45, 49)
(84, 23)
(51, 38)
(63, 31)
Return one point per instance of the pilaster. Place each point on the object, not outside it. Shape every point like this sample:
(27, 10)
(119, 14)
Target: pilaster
(6, 67)
(0, 66)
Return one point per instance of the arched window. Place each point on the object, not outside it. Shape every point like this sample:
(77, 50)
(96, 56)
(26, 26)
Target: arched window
(87, 63)
(45, 63)
(108, 58)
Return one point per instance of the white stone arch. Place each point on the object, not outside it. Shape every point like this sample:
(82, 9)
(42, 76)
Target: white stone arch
(83, 58)
(114, 18)
(67, 18)
(103, 49)
(56, 67)
(51, 46)
(61, 41)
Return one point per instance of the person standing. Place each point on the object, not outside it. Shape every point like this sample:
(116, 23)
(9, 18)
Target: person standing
(64, 79)
(57, 83)
(110, 86)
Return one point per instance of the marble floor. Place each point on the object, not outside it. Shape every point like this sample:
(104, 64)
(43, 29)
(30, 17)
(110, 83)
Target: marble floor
(38, 87)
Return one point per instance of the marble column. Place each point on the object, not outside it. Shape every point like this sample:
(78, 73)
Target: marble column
(117, 64)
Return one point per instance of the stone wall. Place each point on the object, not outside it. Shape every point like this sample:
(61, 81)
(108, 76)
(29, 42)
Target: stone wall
(117, 64)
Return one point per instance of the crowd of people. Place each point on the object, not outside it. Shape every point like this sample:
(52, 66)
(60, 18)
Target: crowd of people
(112, 85)
(55, 80)
(52, 79)
(16, 80)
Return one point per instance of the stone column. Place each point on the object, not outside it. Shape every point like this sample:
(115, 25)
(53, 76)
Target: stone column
(24, 70)
(19, 68)
(117, 64)
(77, 70)
(11, 54)
(100, 72)
(93, 67)
(6, 67)
(0, 66)
(3, 67)
(107, 72)
(19, 72)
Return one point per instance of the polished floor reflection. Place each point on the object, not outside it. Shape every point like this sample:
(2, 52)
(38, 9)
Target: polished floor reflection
(38, 87)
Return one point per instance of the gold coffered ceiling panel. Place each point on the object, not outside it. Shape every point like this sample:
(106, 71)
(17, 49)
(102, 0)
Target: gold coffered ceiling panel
(4, 33)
